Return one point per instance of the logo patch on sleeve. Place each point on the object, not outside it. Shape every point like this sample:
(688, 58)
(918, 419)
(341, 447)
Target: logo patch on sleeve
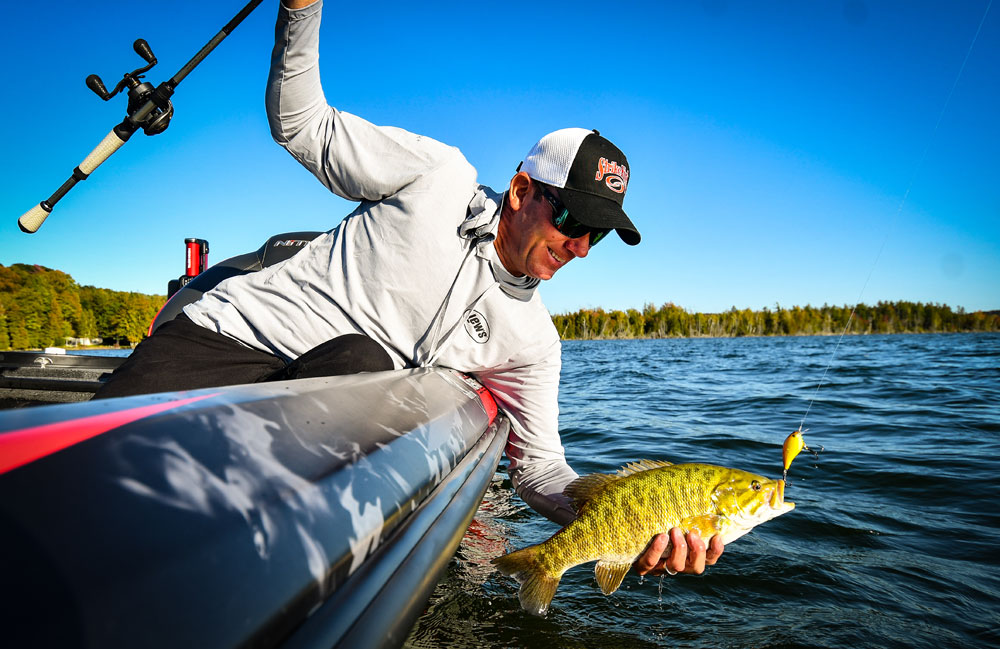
(476, 326)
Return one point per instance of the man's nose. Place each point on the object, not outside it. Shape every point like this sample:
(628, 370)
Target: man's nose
(579, 246)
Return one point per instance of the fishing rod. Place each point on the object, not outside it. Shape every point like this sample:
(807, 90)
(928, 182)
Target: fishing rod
(148, 108)
(794, 443)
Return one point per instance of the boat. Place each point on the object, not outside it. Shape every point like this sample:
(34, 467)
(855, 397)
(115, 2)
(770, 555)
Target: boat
(315, 512)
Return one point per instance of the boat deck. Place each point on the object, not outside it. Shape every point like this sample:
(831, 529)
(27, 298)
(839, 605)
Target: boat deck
(37, 378)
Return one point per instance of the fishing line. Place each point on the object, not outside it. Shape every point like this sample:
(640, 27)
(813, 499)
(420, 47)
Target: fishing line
(899, 209)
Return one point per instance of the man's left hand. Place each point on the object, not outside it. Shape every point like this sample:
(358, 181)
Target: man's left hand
(674, 552)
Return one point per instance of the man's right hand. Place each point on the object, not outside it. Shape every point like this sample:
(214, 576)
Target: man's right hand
(673, 553)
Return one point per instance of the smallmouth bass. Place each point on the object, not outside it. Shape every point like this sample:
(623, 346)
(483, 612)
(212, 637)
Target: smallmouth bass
(618, 515)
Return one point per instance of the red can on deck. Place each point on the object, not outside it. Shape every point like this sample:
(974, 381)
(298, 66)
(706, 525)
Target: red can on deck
(197, 256)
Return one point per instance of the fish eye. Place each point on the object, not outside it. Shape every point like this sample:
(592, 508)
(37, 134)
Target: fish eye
(755, 485)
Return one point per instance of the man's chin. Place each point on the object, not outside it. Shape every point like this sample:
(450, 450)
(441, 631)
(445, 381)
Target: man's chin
(545, 270)
(542, 273)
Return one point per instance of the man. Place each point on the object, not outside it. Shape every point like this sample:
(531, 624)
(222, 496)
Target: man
(432, 269)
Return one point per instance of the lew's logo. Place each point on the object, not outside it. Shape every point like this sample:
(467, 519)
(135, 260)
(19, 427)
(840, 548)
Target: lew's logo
(615, 175)
(477, 327)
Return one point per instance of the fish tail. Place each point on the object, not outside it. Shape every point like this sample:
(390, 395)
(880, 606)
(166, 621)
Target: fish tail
(537, 587)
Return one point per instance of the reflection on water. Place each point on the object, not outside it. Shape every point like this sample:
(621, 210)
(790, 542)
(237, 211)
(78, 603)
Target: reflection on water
(459, 595)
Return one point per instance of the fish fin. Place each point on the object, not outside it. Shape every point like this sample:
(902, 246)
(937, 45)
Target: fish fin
(708, 525)
(537, 587)
(609, 575)
(640, 466)
(586, 487)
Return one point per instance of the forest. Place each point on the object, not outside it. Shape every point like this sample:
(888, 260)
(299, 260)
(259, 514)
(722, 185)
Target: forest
(41, 307)
(672, 321)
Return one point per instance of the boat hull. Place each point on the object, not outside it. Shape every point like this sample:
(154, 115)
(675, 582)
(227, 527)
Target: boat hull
(291, 513)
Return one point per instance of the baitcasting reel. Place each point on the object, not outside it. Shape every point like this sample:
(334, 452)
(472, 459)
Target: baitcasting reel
(139, 92)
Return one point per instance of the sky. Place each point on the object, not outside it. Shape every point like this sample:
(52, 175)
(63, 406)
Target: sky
(782, 152)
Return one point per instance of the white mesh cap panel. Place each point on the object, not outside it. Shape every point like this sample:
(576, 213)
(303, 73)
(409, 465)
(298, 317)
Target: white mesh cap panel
(550, 159)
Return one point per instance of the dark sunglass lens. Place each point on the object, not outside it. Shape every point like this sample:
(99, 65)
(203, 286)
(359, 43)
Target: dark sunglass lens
(597, 235)
(565, 223)
(574, 229)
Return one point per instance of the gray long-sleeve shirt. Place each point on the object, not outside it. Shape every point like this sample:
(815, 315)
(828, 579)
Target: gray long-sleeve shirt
(413, 267)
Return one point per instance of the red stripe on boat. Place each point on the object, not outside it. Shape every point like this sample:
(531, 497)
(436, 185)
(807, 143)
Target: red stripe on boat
(488, 402)
(20, 447)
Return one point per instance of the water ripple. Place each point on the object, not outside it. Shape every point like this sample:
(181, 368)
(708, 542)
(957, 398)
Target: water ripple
(893, 539)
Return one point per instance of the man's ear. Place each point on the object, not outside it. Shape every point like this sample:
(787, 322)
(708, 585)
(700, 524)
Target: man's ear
(520, 190)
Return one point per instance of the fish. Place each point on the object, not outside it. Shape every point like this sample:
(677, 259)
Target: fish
(619, 514)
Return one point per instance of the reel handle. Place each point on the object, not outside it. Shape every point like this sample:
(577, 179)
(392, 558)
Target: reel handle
(142, 48)
(94, 83)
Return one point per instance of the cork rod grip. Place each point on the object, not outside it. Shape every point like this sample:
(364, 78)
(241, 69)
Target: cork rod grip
(101, 152)
(32, 219)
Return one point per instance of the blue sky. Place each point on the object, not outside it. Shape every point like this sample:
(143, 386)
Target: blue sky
(782, 152)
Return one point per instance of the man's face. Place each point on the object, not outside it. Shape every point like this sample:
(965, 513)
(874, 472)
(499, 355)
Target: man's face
(534, 246)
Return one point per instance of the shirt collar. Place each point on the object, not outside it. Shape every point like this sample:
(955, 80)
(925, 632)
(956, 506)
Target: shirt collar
(480, 227)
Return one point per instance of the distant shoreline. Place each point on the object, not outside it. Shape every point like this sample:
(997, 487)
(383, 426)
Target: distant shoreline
(814, 335)
(72, 347)
(41, 307)
(702, 337)
(672, 321)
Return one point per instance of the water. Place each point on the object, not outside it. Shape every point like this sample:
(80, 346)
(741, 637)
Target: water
(893, 542)
(121, 353)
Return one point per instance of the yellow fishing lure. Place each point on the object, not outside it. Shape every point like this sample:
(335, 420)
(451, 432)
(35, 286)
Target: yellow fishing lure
(793, 445)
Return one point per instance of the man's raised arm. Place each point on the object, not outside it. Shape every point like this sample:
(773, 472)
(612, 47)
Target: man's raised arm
(352, 157)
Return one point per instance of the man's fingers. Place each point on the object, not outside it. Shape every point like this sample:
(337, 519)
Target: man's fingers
(696, 553)
(676, 552)
(677, 560)
(715, 549)
(650, 558)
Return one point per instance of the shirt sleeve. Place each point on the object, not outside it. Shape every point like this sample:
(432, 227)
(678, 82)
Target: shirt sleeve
(352, 157)
(538, 467)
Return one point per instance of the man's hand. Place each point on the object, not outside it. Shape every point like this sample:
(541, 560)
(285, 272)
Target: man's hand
(674, 553)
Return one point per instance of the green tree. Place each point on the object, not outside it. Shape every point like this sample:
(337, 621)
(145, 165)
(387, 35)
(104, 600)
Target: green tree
(4, 336)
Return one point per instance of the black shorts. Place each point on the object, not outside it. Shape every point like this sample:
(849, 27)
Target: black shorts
(181, 355)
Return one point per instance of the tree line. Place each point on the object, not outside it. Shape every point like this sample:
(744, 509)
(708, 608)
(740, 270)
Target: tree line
(672, 321)
(41, 307)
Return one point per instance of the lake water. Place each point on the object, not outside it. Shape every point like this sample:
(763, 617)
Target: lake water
(85, 351)
(895, 536)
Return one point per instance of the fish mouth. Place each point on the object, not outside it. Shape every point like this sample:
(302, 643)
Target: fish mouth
(778, 498)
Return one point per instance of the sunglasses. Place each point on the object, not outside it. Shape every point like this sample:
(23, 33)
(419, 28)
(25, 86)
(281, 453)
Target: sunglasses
(566, 224)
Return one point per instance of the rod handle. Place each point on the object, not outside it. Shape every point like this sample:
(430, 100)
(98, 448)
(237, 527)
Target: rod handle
(101, 152)
(33, 218)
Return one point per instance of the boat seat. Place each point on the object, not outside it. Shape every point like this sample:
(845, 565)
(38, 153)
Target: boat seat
(275, 250)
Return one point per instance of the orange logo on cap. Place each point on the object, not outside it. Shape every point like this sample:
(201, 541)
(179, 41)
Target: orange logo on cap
(617, 175)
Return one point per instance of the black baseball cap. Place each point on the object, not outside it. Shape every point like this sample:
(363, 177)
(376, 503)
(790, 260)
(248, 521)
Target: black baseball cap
(592, 175)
